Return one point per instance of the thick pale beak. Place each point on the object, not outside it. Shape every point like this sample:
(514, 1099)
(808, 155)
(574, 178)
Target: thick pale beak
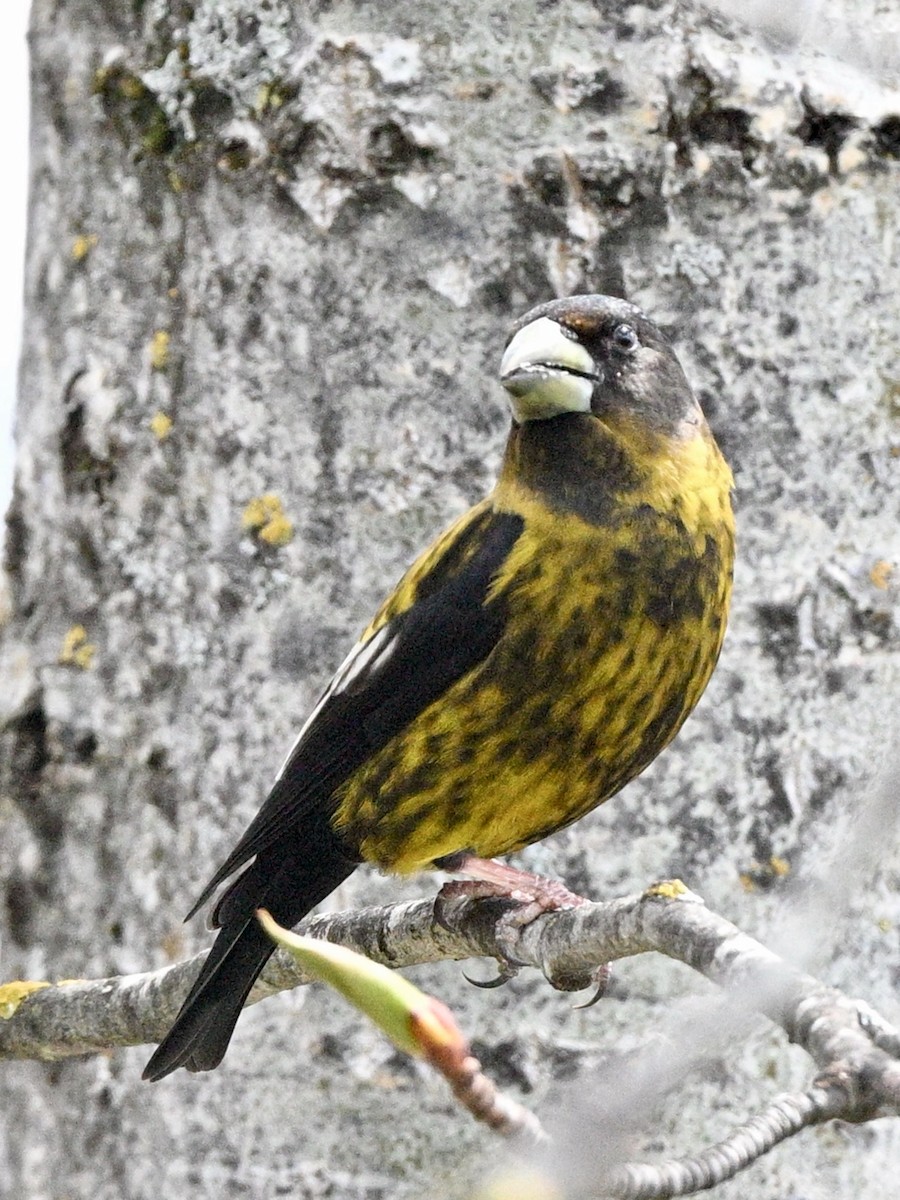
(547, 373)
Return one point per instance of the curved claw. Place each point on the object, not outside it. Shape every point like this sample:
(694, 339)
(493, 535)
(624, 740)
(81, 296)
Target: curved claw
(598, 995)
(504, 975)
(601, 978)
(440, 915)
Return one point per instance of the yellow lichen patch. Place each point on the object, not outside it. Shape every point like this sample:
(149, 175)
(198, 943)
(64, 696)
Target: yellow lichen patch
(159, 350)
(884, 925)
(12, 995)
(265, 517)
(83, 245)
(130, 86)
(259, 510)
(161, 425)
(667, 889)
(277, 532)
(269, 98)
(881, 573)
(76, 650)
(759, 876)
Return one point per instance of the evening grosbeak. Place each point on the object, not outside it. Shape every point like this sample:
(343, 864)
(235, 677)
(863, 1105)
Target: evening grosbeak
(534, 659)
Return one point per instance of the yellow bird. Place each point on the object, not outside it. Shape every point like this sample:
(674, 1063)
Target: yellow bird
(532, 661)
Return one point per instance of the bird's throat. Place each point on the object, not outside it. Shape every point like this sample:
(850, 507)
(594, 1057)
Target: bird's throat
(570, 462)
(597, 470)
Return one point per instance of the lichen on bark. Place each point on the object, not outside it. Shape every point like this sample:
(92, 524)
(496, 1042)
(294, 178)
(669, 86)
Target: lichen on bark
(333, 212)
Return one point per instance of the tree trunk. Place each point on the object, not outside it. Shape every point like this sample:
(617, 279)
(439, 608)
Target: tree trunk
(274, 250)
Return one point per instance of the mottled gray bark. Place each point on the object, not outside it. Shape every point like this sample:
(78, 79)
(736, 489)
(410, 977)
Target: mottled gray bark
(299, 232)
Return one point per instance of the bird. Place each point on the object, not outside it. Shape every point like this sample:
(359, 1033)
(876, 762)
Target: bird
(535, 658)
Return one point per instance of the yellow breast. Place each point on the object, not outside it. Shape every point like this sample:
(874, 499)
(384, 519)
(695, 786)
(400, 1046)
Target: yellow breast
(611, 634)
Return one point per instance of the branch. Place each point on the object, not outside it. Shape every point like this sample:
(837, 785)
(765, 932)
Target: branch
(784, 1117)
(855, 1050)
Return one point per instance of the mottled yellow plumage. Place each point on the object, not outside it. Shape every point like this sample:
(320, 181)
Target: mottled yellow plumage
(534, 659)
(594, 674)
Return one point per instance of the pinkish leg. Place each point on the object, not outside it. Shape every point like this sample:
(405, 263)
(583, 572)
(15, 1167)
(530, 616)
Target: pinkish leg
(488, 879)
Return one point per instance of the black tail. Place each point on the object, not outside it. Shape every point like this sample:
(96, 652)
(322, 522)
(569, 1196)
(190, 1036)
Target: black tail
(288, 879)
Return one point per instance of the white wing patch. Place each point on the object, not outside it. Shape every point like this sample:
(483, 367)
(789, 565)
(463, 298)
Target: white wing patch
(359, 663)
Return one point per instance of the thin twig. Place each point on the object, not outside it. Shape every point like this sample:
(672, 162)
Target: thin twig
(780, 1120)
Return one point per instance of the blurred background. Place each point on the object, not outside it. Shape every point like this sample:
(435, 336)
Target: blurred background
(14, 105)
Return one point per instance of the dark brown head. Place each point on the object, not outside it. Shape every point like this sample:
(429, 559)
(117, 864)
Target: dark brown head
(600, 355)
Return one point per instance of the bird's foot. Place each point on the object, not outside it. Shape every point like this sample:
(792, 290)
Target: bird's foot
(532, 895)
(528, 897)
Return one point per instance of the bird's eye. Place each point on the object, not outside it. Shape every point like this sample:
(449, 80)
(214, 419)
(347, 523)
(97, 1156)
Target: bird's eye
(625, 338)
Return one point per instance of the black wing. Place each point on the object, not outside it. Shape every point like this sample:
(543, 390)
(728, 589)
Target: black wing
(388, 680)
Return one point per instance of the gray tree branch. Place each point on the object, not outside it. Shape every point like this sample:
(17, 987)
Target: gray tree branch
(854, 1050)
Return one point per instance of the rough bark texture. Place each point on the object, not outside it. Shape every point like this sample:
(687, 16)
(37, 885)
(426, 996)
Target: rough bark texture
(300, 232)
